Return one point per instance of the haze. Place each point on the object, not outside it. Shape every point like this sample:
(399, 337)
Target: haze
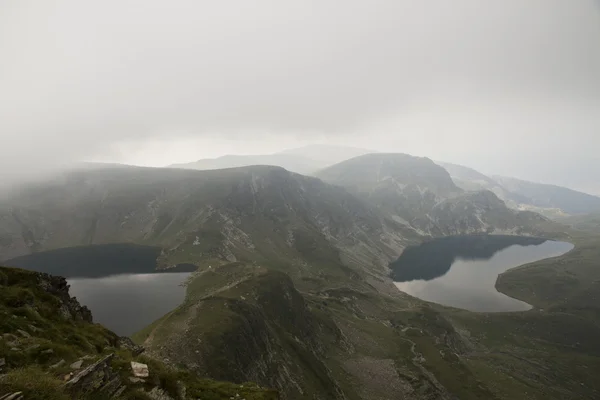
(510, 88)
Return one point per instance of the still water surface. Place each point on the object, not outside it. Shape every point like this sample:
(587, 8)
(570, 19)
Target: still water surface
(462, 271)
(118, 282)
(126, 304)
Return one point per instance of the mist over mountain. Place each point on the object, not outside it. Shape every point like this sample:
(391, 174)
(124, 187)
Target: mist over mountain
(303, 160)
(276, 160)
(550, 200)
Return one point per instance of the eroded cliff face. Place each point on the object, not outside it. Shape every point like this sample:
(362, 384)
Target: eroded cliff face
(246, 323)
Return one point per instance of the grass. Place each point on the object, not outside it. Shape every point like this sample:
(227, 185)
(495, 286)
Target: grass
(34, 383)
(31, 321)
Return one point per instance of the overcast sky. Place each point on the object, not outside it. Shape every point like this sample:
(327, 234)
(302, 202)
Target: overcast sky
(509, 87)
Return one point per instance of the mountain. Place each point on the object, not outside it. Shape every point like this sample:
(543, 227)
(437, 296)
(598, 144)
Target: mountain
(292, 289)
(256, 214)
(51, 349)
(471, 180)
(551, 196)
(549, 200)
(291, 162)
(303, 160)
(249, 323)
(419, 193)
(326, 155)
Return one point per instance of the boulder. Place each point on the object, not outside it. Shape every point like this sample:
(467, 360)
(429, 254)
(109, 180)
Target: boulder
(23, 333)
(140, 370)
(58, 364)
(12, 396)
(76, 364)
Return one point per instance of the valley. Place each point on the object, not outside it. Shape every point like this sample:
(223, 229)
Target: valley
(293, 277)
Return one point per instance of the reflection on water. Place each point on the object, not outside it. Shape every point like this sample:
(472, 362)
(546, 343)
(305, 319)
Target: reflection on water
(466, 279)
(127, 303)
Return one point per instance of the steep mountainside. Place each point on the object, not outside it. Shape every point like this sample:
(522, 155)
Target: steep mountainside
(246, 323)
(258, 214)
(303, 160)
(419, 193)
(51, 350)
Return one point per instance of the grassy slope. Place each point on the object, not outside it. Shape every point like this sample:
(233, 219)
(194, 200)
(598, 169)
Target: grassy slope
(551, 351)
(49, 337)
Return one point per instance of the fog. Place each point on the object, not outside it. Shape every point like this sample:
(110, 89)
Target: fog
(509, 87)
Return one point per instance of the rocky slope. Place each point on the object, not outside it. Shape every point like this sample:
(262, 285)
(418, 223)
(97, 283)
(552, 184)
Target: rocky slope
(51, 349)
(420, 194)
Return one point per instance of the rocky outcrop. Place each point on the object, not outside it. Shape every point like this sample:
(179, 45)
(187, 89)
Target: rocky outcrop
(69, 307)
(98, 379)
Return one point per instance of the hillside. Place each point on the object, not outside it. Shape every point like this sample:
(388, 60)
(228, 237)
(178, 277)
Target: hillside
(421, 194)
(242, 322)
(50, 349)
(255, 214)
(293, 292)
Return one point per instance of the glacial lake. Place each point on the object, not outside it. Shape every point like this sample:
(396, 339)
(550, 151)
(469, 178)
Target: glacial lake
(119, 283)
(128, 303)
(461, 271)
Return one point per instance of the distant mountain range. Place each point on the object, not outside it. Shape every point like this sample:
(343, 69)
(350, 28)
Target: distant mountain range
(304, 160)
(550, 200)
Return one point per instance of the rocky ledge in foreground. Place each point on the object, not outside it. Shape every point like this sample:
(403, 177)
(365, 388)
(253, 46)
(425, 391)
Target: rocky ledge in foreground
(51, 349)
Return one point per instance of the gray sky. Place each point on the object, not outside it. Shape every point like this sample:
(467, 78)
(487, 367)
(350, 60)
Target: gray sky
(509, 87)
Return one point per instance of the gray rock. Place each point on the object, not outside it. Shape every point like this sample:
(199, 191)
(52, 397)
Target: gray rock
(32, 347)
(12, 396)
(119, 392)
(58, 364)
(15, 349)
(47, 351)
(127, 343)
(23, 333)
(140, 370)
(9, 337)
(136, 380)
(158, 394)
(76, 364)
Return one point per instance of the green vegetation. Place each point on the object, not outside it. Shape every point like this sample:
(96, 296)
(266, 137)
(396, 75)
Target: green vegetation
(34, 383)
(44, 331)
(292, 290)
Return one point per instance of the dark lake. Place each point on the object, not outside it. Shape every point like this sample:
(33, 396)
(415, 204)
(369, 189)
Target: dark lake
(461, 271)
(127, 303)
(118, 282)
